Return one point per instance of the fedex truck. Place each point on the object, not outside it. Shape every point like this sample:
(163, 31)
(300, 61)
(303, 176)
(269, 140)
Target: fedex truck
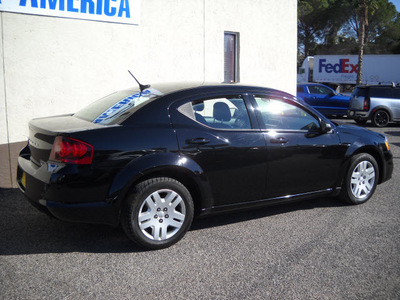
(342, 69)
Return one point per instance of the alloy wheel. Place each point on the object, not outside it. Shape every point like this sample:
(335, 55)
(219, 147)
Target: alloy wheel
(362, 180)
(381, 118)
(161, 215)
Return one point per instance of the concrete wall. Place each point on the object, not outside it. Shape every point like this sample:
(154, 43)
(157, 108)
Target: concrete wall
(53, 65)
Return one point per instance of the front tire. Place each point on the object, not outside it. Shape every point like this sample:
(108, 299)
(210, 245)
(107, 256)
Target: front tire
(380, 118)
(157, 213)
(361, 179)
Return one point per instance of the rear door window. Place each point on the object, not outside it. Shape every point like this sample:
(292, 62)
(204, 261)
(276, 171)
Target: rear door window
(396, 93)
(219, 113)
(381, 92)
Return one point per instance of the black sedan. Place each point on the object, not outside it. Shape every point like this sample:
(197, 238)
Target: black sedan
(152, 158)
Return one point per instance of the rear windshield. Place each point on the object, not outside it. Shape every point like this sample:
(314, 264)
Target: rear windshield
(108, 109)
(360, 92)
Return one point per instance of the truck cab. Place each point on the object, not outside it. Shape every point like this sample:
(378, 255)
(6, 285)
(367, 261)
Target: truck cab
(305, 72)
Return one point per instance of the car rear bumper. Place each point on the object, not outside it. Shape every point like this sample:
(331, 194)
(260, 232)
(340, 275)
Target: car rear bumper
(357, 114)
(52, 194)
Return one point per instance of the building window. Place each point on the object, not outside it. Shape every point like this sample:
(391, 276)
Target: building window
(231, 57)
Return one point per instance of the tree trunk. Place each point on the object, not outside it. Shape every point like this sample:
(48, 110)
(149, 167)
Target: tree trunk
(363, 17)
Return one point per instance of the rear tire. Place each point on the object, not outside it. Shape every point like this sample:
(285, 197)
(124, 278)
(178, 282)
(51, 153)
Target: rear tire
(157, 213)
(361, 179)
(380, 118)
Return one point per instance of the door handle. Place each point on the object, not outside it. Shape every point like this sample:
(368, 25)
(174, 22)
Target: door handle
(197, 141)
(279, 140)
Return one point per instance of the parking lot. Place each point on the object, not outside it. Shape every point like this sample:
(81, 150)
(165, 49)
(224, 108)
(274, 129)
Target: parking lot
(316, 249)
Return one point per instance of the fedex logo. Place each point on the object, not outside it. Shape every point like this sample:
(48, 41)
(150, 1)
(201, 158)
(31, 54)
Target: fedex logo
(342, 67)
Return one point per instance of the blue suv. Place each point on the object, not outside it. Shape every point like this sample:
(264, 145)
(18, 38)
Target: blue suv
(323, 98)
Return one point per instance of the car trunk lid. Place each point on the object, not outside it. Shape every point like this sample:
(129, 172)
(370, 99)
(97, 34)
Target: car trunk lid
(43, 131)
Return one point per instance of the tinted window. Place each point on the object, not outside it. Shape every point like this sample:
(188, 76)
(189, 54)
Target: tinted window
(396, 93)
(381, 92)
(317, 89)
(360, 92)
(300, 89)
(225, 113)
(278, 114)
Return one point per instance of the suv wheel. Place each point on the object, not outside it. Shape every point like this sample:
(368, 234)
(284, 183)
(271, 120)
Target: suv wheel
(380, 118)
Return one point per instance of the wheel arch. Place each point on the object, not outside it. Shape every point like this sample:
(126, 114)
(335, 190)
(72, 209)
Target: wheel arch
(376, 154)
(194, 183)
(170, 165)
(382, 107)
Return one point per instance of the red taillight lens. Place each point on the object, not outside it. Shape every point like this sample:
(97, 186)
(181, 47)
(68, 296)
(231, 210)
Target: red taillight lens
(366, 104)
(72, 151)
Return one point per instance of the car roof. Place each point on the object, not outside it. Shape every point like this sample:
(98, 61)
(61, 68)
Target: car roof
(166, 88)
(174, 92)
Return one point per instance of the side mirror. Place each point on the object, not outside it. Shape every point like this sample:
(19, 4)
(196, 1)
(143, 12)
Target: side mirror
(325, 127)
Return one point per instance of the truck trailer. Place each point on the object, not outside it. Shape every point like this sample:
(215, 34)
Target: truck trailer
(342, 69)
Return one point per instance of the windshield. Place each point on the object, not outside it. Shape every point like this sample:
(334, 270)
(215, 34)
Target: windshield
(360, 92)
(107, 109)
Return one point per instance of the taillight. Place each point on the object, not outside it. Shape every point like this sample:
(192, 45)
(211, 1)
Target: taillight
(71, 151)
(366, 103)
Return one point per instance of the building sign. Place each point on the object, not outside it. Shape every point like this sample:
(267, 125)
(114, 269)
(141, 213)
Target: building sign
(116, 11)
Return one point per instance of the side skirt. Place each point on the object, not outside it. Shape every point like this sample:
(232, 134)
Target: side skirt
(268, 202)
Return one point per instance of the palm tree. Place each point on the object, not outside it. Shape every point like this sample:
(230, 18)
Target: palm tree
(362, 8)
(362, 14)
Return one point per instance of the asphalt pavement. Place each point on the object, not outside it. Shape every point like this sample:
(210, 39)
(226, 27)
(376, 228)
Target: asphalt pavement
(315, 249)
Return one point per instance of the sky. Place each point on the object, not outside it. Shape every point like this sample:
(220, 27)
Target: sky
(397, 4)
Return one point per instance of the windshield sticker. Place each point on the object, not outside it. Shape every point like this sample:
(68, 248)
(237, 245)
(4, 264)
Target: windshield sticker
(125, 104)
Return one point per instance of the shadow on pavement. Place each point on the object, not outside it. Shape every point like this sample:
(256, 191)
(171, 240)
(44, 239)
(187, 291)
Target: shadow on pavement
(393, 133)
(24, 230)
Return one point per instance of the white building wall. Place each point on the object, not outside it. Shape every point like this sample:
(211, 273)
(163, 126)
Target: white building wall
(54, 65)
(3, 116)
(268, 40)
